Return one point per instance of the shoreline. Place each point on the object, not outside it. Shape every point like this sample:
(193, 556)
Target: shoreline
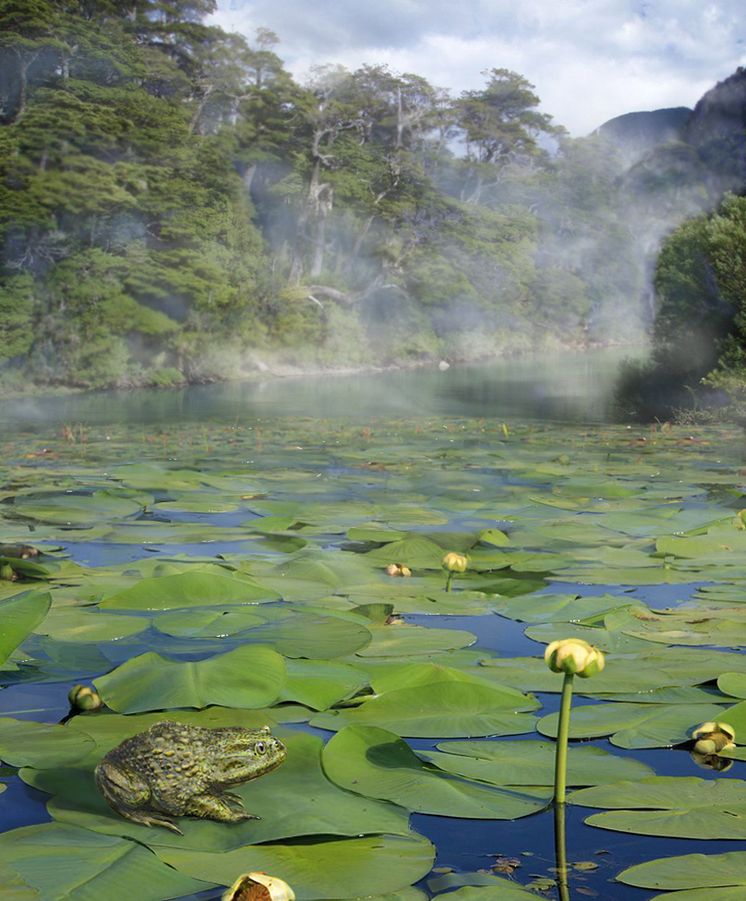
(280, 371)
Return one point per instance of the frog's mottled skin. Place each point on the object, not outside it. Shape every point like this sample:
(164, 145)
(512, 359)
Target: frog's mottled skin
(174, 770)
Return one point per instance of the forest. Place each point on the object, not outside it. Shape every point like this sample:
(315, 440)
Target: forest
(176, 208)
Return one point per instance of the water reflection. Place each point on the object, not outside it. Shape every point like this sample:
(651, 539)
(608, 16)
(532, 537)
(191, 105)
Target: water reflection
(561, 387)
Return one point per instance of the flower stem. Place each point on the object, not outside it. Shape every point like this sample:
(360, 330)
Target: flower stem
(448, 581)
(560, 760)
(560, 853)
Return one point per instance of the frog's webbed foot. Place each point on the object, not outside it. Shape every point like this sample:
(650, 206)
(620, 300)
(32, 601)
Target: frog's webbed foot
(233, 800)
(225, 807)
(148, 818)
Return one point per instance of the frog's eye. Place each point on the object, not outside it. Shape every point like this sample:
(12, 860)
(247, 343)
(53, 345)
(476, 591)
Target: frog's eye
(260, 747)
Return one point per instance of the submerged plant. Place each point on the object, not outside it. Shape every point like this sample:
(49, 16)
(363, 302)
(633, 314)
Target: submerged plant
(454, 563)
(573, 657)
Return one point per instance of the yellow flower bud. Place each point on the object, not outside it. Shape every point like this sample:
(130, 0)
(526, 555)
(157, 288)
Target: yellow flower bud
(398, 569)
(455, 563)
(82, 697)
(574, 657)
(259, 887)
(711, 738)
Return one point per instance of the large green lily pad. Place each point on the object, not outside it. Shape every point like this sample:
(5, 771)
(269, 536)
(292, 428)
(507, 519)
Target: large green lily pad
(296, 799)
(245, 677)
(26, 743)
(716, 876)
(678, 807)
(63, 862)
(531, 763)
(197, 587)
(447, 709)
(379, 764)
(318, 871)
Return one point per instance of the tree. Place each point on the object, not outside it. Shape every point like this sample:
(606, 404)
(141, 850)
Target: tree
(500, 125)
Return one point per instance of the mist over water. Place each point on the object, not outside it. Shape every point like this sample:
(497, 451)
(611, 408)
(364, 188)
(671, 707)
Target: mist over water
(571, 387)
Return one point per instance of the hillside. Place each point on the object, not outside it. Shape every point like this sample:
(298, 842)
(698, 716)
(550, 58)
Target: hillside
(175, 207)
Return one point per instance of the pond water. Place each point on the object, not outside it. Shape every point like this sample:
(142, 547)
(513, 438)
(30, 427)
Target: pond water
(246, 529)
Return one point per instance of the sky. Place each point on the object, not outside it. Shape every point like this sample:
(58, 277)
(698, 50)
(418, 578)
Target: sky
(590, 60)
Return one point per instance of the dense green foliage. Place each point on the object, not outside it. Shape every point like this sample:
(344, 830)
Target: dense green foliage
(699, 337)
(175, 207)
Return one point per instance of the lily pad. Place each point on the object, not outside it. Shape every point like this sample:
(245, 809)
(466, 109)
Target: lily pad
(212, 623)
(245, 677)
(63, 862)
(20, 614)
(377, 763)
(26, 743)
(318, 683)
(88, 624)
(402, 640)
(323, 870)
(634, 725)
(719, 875)
(445, 709)
(80, 510)
(532, 763)
(197, 587)
(296, 799)
(676, 807)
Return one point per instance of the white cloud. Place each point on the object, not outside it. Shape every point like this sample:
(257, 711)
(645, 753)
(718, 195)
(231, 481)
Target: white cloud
(589, 59)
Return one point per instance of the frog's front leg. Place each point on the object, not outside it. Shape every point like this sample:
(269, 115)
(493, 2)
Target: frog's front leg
(224, 807)
(129, 795)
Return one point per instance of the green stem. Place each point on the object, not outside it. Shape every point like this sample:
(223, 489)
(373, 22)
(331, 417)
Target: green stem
(448, 581)
(560, 852)
(560, 760)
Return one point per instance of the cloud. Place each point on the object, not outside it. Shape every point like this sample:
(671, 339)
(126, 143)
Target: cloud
(589, 59)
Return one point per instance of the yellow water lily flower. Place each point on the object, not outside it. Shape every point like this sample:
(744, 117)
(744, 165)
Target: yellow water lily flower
(455, 563)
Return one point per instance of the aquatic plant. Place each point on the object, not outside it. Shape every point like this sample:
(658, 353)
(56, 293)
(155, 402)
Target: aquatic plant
(454, 563)
(573, 657)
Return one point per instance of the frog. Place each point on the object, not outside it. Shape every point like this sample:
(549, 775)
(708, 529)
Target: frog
(175, 769)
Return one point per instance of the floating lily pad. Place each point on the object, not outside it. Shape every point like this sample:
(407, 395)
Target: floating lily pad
(401, 640)
(474, 886)
(20, 614)
(377, 763)
(716, 876)
(80, 510)
(634, 725)
(88, 624)
(296, 799)
(245, 677)
(532, 763)
(26, 743)
(322, 870)
(196, 587)
(62, 861)
(208, 623)
(677, 807)
(318, 683)
(447, 709)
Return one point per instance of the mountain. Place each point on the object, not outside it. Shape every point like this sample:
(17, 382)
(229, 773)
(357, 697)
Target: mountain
(636, 134)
